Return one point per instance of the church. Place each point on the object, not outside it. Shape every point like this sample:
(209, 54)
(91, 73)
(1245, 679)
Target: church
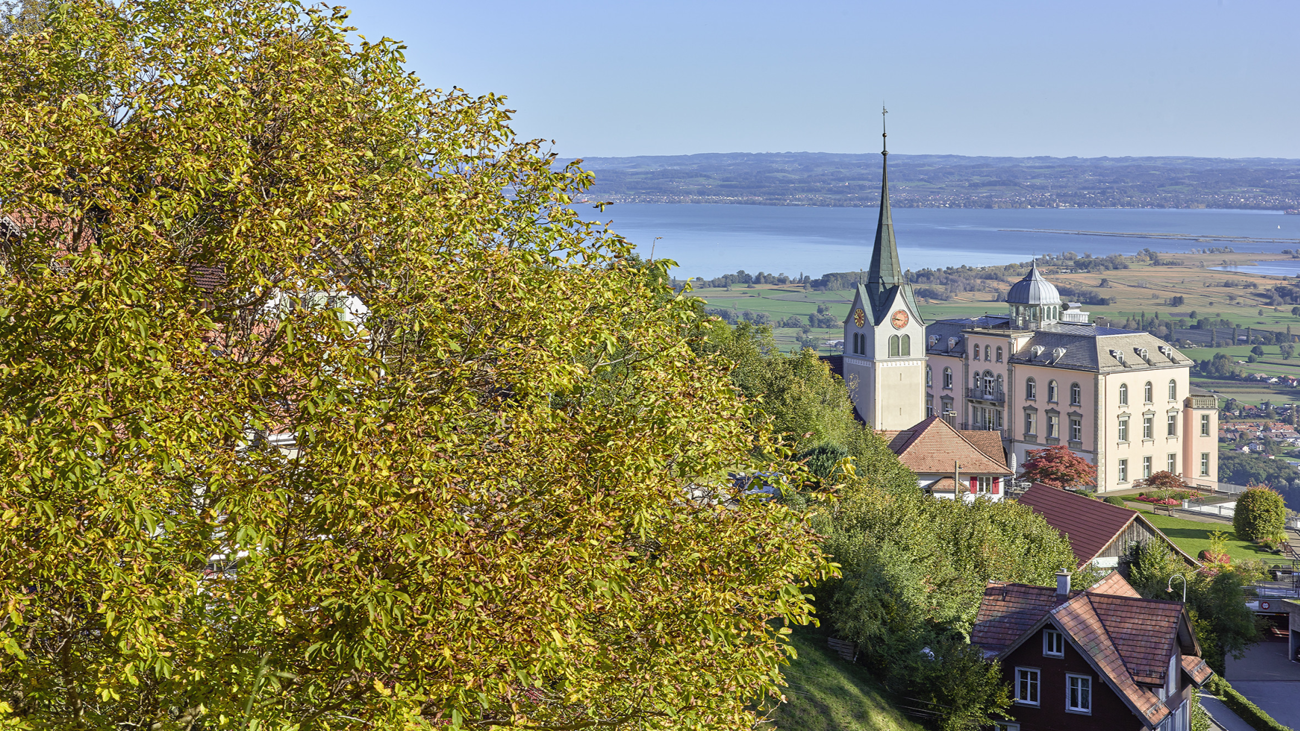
(1041, 375)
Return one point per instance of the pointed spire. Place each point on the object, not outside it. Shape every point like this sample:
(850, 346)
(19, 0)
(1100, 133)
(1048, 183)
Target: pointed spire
(886, 271)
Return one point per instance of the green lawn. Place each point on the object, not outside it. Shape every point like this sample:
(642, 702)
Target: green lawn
(826, 693)
(1193, 537)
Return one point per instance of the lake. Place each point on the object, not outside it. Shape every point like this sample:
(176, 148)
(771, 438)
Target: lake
(711, 240)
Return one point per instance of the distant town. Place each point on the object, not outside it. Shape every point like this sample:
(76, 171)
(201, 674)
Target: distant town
(949, 181)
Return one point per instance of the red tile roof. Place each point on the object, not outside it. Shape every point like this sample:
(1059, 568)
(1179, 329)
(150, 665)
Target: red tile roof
(934, 447)
(1090, 525)
(1196, 669)
(1128, 639)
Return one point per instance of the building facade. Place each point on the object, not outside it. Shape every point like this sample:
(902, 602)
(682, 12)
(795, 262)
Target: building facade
(884, 336)
(1041, 375)
(1044, 375)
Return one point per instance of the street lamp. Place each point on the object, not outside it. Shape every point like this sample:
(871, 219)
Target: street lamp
(1169, 587)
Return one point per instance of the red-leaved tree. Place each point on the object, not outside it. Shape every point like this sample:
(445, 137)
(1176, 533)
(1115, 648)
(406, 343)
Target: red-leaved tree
(1058, 467)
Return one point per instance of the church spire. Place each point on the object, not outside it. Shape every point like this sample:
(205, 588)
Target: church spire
(886, 271)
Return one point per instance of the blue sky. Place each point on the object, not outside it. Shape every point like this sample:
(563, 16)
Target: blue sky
(1210, 78)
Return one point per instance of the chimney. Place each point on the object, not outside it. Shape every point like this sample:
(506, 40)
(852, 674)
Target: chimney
(1062, 583)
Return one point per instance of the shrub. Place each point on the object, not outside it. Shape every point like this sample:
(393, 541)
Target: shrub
(1116, 500)
(1249, 712)
(1260, 514)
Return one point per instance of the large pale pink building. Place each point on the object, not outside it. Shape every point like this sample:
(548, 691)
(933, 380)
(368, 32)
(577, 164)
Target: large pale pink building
(1045, 375)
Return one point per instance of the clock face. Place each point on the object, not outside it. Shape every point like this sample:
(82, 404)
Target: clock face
(859, 317)
(900, 320)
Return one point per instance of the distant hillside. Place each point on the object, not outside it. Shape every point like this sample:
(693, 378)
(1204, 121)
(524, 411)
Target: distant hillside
(826, 693)
(932, 181)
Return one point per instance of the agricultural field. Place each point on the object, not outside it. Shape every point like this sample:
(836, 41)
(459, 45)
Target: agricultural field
(1143, 290)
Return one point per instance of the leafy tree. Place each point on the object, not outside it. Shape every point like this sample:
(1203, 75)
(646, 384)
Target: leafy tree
(1058, 467)
(1258, 350)
(322, 409)
(914, 570)
(22, 16)
(1260, 514)
(1220, 366)
(1223, 623)
(1163, 480)
(1287, 350)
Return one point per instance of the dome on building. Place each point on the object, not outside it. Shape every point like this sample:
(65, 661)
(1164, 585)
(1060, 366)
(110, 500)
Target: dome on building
(1033, 290)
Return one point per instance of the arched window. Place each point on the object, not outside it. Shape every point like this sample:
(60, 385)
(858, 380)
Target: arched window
(999, 353)
(975, 352)
(1123, 394)
(1173, 390)
(1051, 391)
(928, 378)
(907, 345)
(947, 378)
(1076, 395)
(1031, 389)
(893, 345)
(987, 351)
(988, 382)
(1147, 393)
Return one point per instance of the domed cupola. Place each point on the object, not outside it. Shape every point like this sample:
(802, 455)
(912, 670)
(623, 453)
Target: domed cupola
(1034, 301)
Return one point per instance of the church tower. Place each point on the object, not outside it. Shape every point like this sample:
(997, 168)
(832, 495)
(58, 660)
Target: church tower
(884, 336)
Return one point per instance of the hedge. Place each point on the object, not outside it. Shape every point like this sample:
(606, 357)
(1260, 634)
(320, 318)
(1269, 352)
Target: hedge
(1249, 712)
(1260, 513)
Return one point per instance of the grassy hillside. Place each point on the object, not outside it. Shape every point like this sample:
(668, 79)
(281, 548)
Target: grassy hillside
(826, 693)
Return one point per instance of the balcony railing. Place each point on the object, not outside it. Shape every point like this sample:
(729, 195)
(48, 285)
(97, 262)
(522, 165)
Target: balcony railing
(980, 426)
(986, 395)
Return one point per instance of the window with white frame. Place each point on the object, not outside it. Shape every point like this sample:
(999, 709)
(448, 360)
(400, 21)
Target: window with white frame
(1076, 395)
(1031, 389)
(1027, 686)
(1148, 426)
(1146, 467)
(1171, 464)
(984, 485)
(1122, 433)
(1123, 394)
(1031, 424)
(1078, 693)
(1205, 464)
(1053, 426)
(947, 378)
(1051, 391)
(1076, 429)
(1172, 425)
(1173, 390)
(1053, 643)
(1147, 391)
(1123, 470)
(1205, 425)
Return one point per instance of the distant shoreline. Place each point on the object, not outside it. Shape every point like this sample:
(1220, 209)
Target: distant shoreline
(1203, 238)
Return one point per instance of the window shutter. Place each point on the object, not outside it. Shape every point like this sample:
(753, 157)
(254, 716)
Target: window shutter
(997, 484)
(974, 485)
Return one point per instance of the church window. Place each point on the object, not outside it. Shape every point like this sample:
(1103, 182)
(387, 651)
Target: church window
(1076, 395)
(893, 345)
(999, 353)
(987, 349)
(1031, 390)
(1051, 391)
(1173, 390)
(1146, 393)
(947, 378)
(907, 345)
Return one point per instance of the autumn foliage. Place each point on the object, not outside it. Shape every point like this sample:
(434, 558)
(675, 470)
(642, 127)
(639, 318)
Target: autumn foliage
(1058, 467)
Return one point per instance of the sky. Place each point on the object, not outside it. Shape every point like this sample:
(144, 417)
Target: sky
(1087, 78)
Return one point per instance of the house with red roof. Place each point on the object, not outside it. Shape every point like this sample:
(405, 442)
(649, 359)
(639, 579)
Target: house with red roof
(1100, 658)
(949, 463)
(1099, 533)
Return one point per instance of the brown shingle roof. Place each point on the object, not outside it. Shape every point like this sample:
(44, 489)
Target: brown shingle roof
(1008, 611)
(933, 446)
(1090, 525)
(1128, 639)
(988, 442)
(1196, 669)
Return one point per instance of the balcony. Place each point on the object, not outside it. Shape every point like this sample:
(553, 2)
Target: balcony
(980, 426)
(979, 394)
